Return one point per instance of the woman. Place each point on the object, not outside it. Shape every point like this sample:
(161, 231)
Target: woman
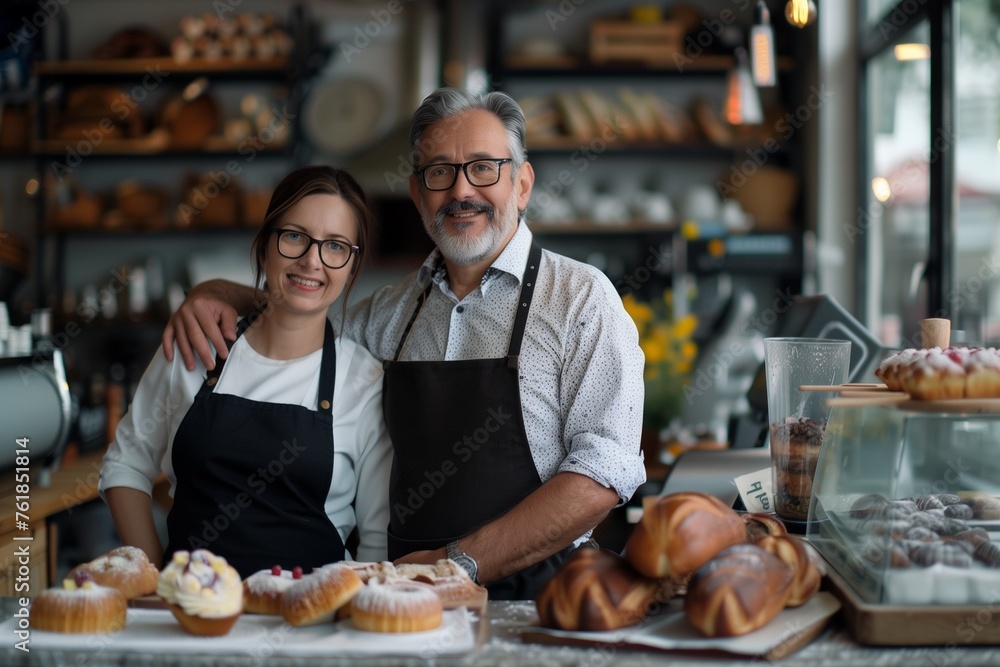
(279, 453)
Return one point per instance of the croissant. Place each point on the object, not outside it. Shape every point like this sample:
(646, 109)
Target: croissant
(806, 576)
(680, 532)
(738, 591)
(596, 589)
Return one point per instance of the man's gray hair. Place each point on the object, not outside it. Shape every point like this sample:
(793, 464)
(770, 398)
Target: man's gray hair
(447, 102)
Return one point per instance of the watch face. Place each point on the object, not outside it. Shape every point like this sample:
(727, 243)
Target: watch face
(467, 564)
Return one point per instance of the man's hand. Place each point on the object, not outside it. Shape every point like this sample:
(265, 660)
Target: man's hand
(208, 313)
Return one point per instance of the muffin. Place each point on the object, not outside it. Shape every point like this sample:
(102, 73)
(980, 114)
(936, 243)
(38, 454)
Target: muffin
(203, 591)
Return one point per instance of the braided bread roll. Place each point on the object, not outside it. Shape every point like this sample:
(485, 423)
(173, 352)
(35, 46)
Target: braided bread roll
(738, 591)
(806, 576)
(761, 525)
(680, 532)
(596, 589)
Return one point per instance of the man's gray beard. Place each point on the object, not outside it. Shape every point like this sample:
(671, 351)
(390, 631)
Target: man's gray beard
(467, 249)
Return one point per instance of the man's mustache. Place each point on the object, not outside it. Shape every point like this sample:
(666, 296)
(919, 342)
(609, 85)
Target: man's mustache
(465, 206)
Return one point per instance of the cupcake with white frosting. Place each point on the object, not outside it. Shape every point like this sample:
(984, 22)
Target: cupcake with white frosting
(203, 591)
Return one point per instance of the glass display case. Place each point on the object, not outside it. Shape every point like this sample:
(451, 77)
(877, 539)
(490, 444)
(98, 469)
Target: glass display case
(905, 502)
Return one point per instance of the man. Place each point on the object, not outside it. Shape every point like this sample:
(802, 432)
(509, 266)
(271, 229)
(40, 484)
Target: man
(513, 377)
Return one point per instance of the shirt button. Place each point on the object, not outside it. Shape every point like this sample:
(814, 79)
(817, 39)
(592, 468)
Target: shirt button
(460, 309)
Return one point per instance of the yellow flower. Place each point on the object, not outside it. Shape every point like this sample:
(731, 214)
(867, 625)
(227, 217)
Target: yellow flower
(670, 353)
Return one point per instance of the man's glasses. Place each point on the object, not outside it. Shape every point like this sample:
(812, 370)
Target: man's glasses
(334, 254)
(480, 173)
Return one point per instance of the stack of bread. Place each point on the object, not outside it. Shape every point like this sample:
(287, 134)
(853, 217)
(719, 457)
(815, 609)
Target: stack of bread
(739, 571)
(932, 374)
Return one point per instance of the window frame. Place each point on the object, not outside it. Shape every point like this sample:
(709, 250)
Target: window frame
(939, 274)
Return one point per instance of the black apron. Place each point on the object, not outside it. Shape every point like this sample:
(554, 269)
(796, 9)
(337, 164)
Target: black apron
(461, 454)
(253, 478)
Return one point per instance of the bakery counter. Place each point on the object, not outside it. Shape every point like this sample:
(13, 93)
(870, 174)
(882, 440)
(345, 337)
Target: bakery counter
(498, 644)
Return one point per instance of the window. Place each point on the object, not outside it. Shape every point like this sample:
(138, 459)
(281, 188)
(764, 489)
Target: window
(930, 169)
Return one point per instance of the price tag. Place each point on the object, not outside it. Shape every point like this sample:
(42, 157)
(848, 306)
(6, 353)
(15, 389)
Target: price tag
(755, 491)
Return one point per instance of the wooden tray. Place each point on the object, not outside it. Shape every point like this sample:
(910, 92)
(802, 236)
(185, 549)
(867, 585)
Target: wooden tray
(901, 401)
(917, 625)
(863, 395)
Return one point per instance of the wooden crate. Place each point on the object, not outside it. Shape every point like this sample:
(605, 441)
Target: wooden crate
(649, 43)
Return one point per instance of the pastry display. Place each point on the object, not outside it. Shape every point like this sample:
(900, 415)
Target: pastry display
(81, 605)
(396, 606)
(935, 373)
(203, 592)
(597, 589)
(262, 590)
(929, 549)
(126, 568)
(316, 598)
(738, 591)
(680, 532)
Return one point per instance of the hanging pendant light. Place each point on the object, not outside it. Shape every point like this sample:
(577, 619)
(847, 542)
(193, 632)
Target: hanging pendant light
(762, 48)
(800, 13)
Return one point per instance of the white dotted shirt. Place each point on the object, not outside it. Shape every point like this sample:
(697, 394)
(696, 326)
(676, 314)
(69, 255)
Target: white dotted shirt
(580, 369)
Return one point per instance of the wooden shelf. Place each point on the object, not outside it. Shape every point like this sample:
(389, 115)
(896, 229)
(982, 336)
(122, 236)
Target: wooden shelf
(561, 144)
(162, 229)
(155, 144)
(132, 67)
(569, 66)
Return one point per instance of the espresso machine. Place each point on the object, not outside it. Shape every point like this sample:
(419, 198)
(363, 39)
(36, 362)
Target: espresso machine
(35, 405)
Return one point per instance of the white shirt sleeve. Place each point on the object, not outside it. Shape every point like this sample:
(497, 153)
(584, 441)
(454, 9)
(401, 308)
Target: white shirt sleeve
(601, 393)
(362, 442)
(141, 448)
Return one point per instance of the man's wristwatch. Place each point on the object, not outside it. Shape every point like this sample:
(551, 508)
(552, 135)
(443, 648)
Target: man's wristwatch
(464, 560)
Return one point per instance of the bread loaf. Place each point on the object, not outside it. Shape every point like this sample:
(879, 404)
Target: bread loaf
(760, 525)
(738, 591)
(806, 576)
(680, 532)
(596, 589)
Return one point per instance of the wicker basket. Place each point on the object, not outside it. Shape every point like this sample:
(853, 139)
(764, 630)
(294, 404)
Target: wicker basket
(628, 41)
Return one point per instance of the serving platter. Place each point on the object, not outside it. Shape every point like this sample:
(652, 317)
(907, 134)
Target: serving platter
(260, 637)
(789, 631)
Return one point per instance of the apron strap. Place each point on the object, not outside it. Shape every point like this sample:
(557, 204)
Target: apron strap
(328, 371)
(520, 318)
(213, 375)
(524, 303)
(413, 318)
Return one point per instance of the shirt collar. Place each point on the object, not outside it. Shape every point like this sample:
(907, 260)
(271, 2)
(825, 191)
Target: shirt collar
(511, 260)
